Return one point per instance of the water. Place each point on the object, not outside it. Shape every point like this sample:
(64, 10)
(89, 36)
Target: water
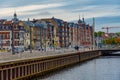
(103, 68)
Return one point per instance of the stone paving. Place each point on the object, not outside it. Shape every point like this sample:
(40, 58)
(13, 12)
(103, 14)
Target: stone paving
(6, 57)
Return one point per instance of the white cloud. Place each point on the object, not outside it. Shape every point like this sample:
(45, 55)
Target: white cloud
(99, 27)
(88, 11)
(25, 9)
(71, 14)
(99, 11)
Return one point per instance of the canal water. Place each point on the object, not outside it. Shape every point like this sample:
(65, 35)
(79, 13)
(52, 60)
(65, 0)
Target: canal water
(103, 68)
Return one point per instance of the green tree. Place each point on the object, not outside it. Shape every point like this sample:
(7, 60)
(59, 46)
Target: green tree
(99, 33)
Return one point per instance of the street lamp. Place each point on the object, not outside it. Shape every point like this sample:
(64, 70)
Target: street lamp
(14, 22)
(1, 41)
(12, 45)
(93, 29)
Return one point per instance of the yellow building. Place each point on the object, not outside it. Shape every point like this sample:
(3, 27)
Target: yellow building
(51, 32)
(27, 33)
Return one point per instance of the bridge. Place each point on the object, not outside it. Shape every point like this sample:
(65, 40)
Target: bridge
(30, 68)
(110, 52)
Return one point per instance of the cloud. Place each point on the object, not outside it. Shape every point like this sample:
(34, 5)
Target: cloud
(44, 13)
(98, 11)
(23, 10)
(67, 10)
(63, 9)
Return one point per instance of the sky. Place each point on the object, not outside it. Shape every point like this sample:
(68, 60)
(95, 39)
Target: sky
(105, 12)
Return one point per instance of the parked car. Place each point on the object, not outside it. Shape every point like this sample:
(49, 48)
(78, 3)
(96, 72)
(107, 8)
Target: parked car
(76, 48)
(40, 49)
(18, 50)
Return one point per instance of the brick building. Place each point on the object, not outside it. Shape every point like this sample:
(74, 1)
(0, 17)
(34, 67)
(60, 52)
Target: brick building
(6, 34)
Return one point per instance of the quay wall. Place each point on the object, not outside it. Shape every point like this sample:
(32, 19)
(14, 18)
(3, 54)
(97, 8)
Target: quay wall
(29, 68)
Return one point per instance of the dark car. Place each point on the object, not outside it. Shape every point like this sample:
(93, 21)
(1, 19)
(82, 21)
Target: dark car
(76, 48)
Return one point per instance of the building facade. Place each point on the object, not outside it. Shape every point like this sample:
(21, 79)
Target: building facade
(49, 32)
(10, 30)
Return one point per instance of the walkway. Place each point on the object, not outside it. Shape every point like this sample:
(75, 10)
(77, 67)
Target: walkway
(6, 57)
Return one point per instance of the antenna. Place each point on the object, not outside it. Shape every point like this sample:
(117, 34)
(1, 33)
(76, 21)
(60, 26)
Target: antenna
(79, 16)
(83, 17)
(93, 32)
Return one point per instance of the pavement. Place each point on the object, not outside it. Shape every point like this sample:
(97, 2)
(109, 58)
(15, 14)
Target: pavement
(7, 57)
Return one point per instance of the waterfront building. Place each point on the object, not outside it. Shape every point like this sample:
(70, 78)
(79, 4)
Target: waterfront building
(71, 30)
(54, 32)
(43, 33)
(26, 34)
(40, 32)
(86, 34)
(66, 34)
(6, 34)
(50, 32)
(75, 35)
(60, 31)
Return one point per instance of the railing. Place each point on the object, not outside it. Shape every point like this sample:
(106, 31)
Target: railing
(25, 69)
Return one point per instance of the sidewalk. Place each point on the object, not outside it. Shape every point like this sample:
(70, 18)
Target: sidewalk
(6, 57)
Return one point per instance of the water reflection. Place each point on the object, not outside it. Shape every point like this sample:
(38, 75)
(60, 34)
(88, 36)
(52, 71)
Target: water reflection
(103, 68)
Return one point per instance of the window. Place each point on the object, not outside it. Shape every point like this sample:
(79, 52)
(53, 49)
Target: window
(7, 36)
(3, 36)
(7, 27)
(0, 27)
(62, 24)
(17, 35)
(17, 27)
(8, 43)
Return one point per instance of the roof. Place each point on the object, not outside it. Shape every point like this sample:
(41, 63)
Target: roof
(75, 25)
(38, 25)
(80, 21)
(29, 23)
(70, 24)
(59, 21)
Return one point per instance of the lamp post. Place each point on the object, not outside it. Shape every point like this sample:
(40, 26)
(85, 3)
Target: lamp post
(93, 34)
(97, 40)
(30, 40)
(1, 41)
(12, 39)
